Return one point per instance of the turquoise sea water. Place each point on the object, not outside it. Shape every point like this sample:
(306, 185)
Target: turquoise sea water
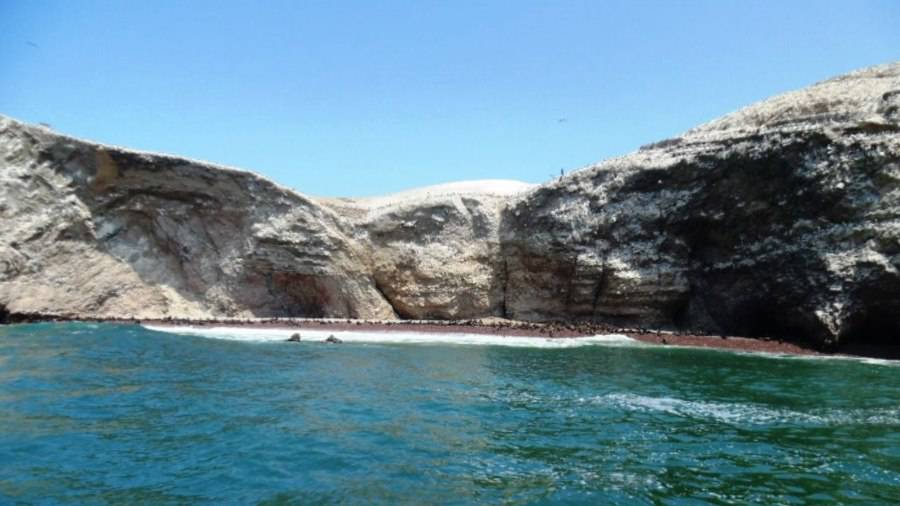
(120, 414)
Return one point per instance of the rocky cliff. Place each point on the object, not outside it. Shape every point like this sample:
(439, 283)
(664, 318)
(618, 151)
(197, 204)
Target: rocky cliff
(780, 219)
(435, 251)
(96, 230)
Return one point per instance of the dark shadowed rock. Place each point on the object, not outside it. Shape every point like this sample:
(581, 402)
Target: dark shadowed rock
(333, 340)
(780, 219)
(295, 338)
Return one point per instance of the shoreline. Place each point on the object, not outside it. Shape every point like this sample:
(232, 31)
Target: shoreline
(486, 326)
(518, 329)
(494, 326)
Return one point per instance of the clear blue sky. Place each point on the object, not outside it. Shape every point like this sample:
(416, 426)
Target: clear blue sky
(359, 98)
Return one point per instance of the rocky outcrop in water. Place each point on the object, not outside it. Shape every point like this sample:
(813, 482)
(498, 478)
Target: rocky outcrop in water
(780, 219)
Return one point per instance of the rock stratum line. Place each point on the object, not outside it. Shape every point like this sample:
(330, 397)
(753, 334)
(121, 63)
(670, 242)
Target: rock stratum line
(781, 219)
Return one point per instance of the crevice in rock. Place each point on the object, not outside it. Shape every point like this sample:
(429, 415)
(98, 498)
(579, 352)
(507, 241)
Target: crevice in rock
(503, 287)
(570, 285)
(599, 289)
(680, 314)
(378, 288)
(4, 315)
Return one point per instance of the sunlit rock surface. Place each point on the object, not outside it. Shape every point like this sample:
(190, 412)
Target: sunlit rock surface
(97, 230)
(780, 219)
(435, 250)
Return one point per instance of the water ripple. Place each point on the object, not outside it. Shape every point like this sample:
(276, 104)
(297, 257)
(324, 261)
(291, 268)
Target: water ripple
(117, 414)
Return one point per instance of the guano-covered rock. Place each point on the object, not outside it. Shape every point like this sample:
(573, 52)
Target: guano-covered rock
(781, 219)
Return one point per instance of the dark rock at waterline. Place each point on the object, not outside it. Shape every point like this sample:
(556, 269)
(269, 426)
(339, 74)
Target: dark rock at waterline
(333, 340)
(295, 338)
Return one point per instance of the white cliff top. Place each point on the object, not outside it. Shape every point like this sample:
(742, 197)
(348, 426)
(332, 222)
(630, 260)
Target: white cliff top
(492, 189)
(864, 95)
(496, 187)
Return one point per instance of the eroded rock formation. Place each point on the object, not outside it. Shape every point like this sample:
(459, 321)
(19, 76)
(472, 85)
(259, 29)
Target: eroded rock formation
(780, 219)
(435, 251)
(95, 230)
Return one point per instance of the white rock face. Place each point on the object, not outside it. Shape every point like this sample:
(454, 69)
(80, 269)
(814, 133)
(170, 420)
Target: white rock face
(436, 250)
(96, 230)
(782, 218)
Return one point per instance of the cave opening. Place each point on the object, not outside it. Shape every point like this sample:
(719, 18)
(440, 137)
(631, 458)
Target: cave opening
(875, 332)
(765, 318)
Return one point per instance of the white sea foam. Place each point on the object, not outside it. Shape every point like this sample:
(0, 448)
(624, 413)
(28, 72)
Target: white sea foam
(844, 358)
(788, 356)
(748, 414)
(850, 358)
(406, 337)
(393, 337)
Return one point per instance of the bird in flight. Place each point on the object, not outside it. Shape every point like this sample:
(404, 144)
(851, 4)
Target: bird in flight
(32, 44)
(562, 120)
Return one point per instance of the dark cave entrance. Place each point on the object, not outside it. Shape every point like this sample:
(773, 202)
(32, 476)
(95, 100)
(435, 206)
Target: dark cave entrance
(765, 318)
(875, 332)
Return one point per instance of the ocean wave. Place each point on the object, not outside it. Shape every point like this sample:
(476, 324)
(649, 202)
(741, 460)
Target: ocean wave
(393, 337)
(849, 358)
(747, 414)
(780, 356)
